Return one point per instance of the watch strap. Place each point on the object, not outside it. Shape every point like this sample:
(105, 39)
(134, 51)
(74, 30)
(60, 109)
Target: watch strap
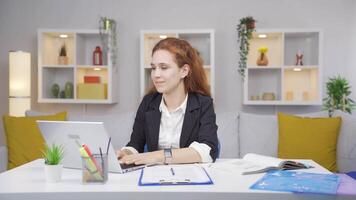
(167, 156)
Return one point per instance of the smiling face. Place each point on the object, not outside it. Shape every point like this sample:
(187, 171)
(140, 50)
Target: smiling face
(167, 77)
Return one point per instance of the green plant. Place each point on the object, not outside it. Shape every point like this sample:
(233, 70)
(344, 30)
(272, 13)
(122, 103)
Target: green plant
(107, 30)
(245, 29)
(53, 155)
(338, 92)
(63, 51)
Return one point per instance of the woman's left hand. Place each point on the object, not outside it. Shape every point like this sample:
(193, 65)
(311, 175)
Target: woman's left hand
(154, 157)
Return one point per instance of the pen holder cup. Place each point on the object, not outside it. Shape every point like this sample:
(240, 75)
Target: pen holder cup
(95, 169)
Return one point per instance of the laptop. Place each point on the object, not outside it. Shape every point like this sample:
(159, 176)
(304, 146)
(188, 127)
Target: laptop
(93, 134)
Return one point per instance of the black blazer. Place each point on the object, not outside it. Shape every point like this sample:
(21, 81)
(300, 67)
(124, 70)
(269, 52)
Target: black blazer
(198, 125)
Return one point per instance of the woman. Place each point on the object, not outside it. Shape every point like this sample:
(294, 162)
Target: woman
(176, 119)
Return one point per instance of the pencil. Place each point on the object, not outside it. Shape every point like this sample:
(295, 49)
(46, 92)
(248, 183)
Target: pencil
(107, 148)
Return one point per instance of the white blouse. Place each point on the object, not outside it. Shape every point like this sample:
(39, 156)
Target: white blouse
(171, 129)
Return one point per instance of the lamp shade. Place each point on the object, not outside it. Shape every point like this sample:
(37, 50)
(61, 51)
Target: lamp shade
(18, 106)
(20, 82)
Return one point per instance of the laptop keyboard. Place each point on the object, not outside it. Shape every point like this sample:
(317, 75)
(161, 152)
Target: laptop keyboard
(126, 166)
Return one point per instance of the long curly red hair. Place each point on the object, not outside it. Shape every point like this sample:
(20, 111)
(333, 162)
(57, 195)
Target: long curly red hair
(184, 53)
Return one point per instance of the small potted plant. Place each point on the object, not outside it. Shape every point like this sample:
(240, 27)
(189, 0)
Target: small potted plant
(53, 156)
(245, 29)
(338, 92)
(63, 59)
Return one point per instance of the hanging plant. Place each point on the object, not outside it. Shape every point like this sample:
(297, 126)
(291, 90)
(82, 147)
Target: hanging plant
(244, 29)
(338, 91)
(108, 34)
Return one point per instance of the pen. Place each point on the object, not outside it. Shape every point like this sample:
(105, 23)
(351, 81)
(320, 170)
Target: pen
(107, 148)
(172, 171)
(101, 153)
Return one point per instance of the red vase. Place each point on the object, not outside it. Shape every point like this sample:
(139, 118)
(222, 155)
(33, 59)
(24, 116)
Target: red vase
(97, 56)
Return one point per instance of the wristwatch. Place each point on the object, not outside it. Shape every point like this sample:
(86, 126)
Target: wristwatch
(167, 156)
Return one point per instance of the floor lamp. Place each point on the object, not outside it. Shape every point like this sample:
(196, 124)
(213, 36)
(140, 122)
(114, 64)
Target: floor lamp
(19, 82)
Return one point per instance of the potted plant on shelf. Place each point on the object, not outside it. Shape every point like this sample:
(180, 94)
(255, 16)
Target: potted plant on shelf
(107, 28)
(63, 59)
(53, 156)
(245, 29)
(338, 92)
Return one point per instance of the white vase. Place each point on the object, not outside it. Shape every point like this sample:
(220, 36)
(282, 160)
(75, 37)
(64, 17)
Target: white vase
(53, 173)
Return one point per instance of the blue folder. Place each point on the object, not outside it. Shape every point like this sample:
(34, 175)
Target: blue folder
(185, 181)
(300, 182)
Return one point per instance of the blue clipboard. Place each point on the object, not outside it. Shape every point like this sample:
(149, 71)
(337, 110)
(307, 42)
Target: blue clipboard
(175, 182)
(299, 182)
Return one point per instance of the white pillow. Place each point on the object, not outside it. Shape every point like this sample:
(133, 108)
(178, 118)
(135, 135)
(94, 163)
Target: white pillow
(258, 134)
(3, 158)
(228, 134)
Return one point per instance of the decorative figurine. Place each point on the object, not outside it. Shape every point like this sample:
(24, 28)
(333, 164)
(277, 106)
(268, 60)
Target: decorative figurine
(63, 58)
(68, 90)
(55, 90)
(299, 58)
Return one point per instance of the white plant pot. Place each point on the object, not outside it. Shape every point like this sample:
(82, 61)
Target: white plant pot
(53, 173)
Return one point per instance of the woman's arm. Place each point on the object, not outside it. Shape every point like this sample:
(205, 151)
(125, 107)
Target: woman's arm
(183, 155)
(207, 135)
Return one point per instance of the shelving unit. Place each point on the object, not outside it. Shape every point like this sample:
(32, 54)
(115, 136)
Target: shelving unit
(80, 45)
(202, 40)
(282, 82)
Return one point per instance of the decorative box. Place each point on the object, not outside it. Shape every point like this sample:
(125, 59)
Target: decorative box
(92, 91)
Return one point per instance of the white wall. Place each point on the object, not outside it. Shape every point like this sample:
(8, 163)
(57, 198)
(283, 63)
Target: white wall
(20, 19)
(350, 50)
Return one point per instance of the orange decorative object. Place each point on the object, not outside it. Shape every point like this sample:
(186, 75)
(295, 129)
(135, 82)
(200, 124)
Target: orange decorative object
(262, 60)
(91, 79)
(305, 96)
(289, 96)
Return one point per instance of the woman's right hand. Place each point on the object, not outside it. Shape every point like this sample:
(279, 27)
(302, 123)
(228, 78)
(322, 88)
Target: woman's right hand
(122, 153)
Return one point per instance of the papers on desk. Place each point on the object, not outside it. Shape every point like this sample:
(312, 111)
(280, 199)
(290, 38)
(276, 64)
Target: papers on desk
(174, 175)
(301, 182)
(254, 163)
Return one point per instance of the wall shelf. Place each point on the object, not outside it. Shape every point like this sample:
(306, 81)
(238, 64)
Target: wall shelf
(289, 83)
(80, 45)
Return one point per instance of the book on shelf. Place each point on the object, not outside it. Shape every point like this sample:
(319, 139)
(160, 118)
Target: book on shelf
(254, 163)
(91, 79)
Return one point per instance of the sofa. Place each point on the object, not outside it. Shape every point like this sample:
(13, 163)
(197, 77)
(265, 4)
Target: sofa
(239, 133)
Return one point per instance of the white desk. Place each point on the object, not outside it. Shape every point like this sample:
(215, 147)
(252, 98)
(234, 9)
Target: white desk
(28, 182)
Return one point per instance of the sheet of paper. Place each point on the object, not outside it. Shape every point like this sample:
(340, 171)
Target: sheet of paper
(178, 173)
(267, 161)
(237, 166)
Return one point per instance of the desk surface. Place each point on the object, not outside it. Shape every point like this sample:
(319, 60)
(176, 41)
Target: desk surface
(28, 182)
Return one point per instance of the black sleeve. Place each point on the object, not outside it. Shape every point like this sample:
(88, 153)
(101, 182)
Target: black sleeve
(208, 128)
(138, 136)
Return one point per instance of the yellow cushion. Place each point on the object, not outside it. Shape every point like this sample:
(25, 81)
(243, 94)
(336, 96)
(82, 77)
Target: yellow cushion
(309, 138)
(24, 140)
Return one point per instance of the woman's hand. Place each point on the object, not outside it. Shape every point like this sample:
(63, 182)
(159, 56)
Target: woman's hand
(122, 153)
(154, 157)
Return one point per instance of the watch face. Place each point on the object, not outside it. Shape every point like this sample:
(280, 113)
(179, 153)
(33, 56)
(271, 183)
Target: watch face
(167, 153)
(167, 156)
